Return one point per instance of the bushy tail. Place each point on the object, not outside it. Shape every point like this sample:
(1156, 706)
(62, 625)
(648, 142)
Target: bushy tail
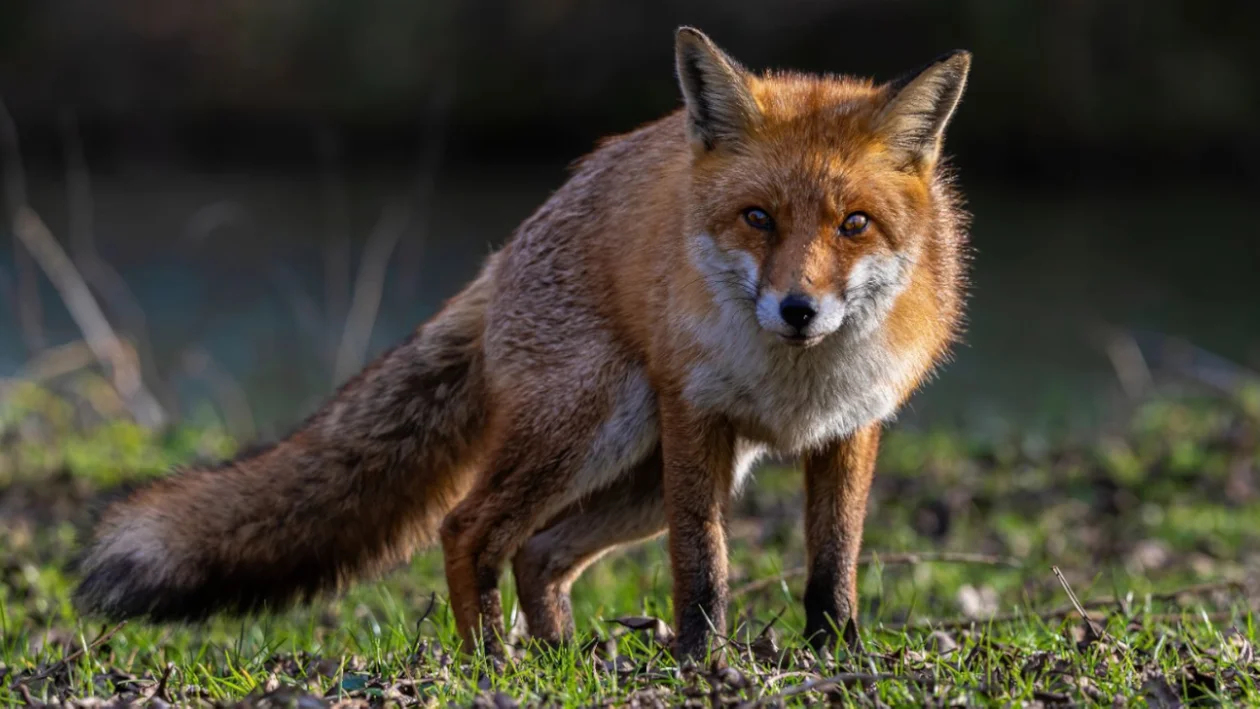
(363, 483)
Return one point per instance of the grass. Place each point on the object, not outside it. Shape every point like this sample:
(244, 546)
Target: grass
(1155, 525)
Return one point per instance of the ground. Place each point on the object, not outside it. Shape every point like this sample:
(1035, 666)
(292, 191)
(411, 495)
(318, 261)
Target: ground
(1153, 525)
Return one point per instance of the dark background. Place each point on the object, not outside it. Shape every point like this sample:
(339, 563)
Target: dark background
(219, 170)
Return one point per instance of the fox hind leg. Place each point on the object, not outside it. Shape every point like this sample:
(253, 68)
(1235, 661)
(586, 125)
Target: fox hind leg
(630, 510)
(566, 435)
(518, 493)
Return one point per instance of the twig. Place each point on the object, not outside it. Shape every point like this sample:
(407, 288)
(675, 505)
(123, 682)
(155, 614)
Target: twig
(1213, 617)
(370, 280)
(97, 332)
(58, 361)
(964, 623)
(1198, 589)
(780, 676)
(29, 308)
(746, 645)
(1096, 630)
(11, 155)
(368, 287)
(1128, 362)
(64, 662)
(427, 609)
(945, 557)
(62, 360)
(844, 679)
(161, 690)
(1076, 602)
(411, 251)
(101, 276)
(1184, 359)
(423, 616)
(78, 190)
(1054, 614)
(908, 558)
(336, 227)
(766, 630)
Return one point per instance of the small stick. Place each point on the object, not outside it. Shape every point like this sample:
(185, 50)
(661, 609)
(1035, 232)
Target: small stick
(1094, 628)
(160, 693)
(1198, 589)
(336, 203)
(423, 616)
(368, 286)
(29, 308)
(843, 679)
(101, 276)
(1055, 614)
(1076, 602)
(780, 676)
(1126, 359)
(58, 361)
(64, 662)
(87, 314)
(907, 558)
(965, 623)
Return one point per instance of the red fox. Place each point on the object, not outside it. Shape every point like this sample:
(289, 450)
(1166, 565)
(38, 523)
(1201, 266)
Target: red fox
(774, 267)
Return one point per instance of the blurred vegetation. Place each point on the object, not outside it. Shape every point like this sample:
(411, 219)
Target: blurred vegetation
(1061, 87)
(45, 434)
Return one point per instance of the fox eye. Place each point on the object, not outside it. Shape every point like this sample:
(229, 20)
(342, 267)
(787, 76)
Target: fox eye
(757, 218)
(855, 223)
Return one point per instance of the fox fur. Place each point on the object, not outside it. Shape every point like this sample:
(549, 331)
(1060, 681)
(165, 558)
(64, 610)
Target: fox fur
(775, 267)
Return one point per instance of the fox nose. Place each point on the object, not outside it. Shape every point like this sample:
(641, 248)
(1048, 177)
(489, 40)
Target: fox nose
(798, 310)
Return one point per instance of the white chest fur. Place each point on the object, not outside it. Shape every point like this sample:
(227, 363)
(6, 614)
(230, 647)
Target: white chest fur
(796, 399)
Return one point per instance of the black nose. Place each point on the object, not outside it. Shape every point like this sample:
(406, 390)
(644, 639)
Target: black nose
(798, 310)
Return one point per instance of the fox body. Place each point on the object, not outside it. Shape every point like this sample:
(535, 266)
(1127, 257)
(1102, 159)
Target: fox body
(773, 268)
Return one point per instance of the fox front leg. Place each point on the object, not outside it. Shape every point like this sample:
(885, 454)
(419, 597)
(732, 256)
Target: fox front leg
(698, 466)
(837, 484)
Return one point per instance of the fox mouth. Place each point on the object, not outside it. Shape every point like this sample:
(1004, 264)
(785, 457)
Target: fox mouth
(801, 340)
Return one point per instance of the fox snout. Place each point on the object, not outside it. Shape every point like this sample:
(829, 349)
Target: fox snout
(799, 318)
(798, 310)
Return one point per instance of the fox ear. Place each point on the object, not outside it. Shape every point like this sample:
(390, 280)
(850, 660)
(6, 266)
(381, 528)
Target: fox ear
(720, 107)
(920, 105)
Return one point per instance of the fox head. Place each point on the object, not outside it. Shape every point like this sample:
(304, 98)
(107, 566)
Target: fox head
(813, 197)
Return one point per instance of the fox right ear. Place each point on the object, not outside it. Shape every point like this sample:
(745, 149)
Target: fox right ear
(720, 107)
(921, 105)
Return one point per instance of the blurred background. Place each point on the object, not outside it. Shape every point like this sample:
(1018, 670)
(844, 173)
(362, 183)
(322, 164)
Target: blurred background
(261, 196)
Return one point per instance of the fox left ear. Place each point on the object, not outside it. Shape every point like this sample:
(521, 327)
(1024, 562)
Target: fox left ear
(720, 108)
(920, 106)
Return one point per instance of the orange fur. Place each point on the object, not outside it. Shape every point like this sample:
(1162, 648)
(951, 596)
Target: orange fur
(615, 371)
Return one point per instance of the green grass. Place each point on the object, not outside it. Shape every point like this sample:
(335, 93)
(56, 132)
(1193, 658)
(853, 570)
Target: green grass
(1169, 499)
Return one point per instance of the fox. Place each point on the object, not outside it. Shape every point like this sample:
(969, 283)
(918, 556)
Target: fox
(771, 269)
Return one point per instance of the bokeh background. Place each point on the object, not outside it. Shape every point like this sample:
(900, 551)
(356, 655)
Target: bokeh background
(262, 195)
